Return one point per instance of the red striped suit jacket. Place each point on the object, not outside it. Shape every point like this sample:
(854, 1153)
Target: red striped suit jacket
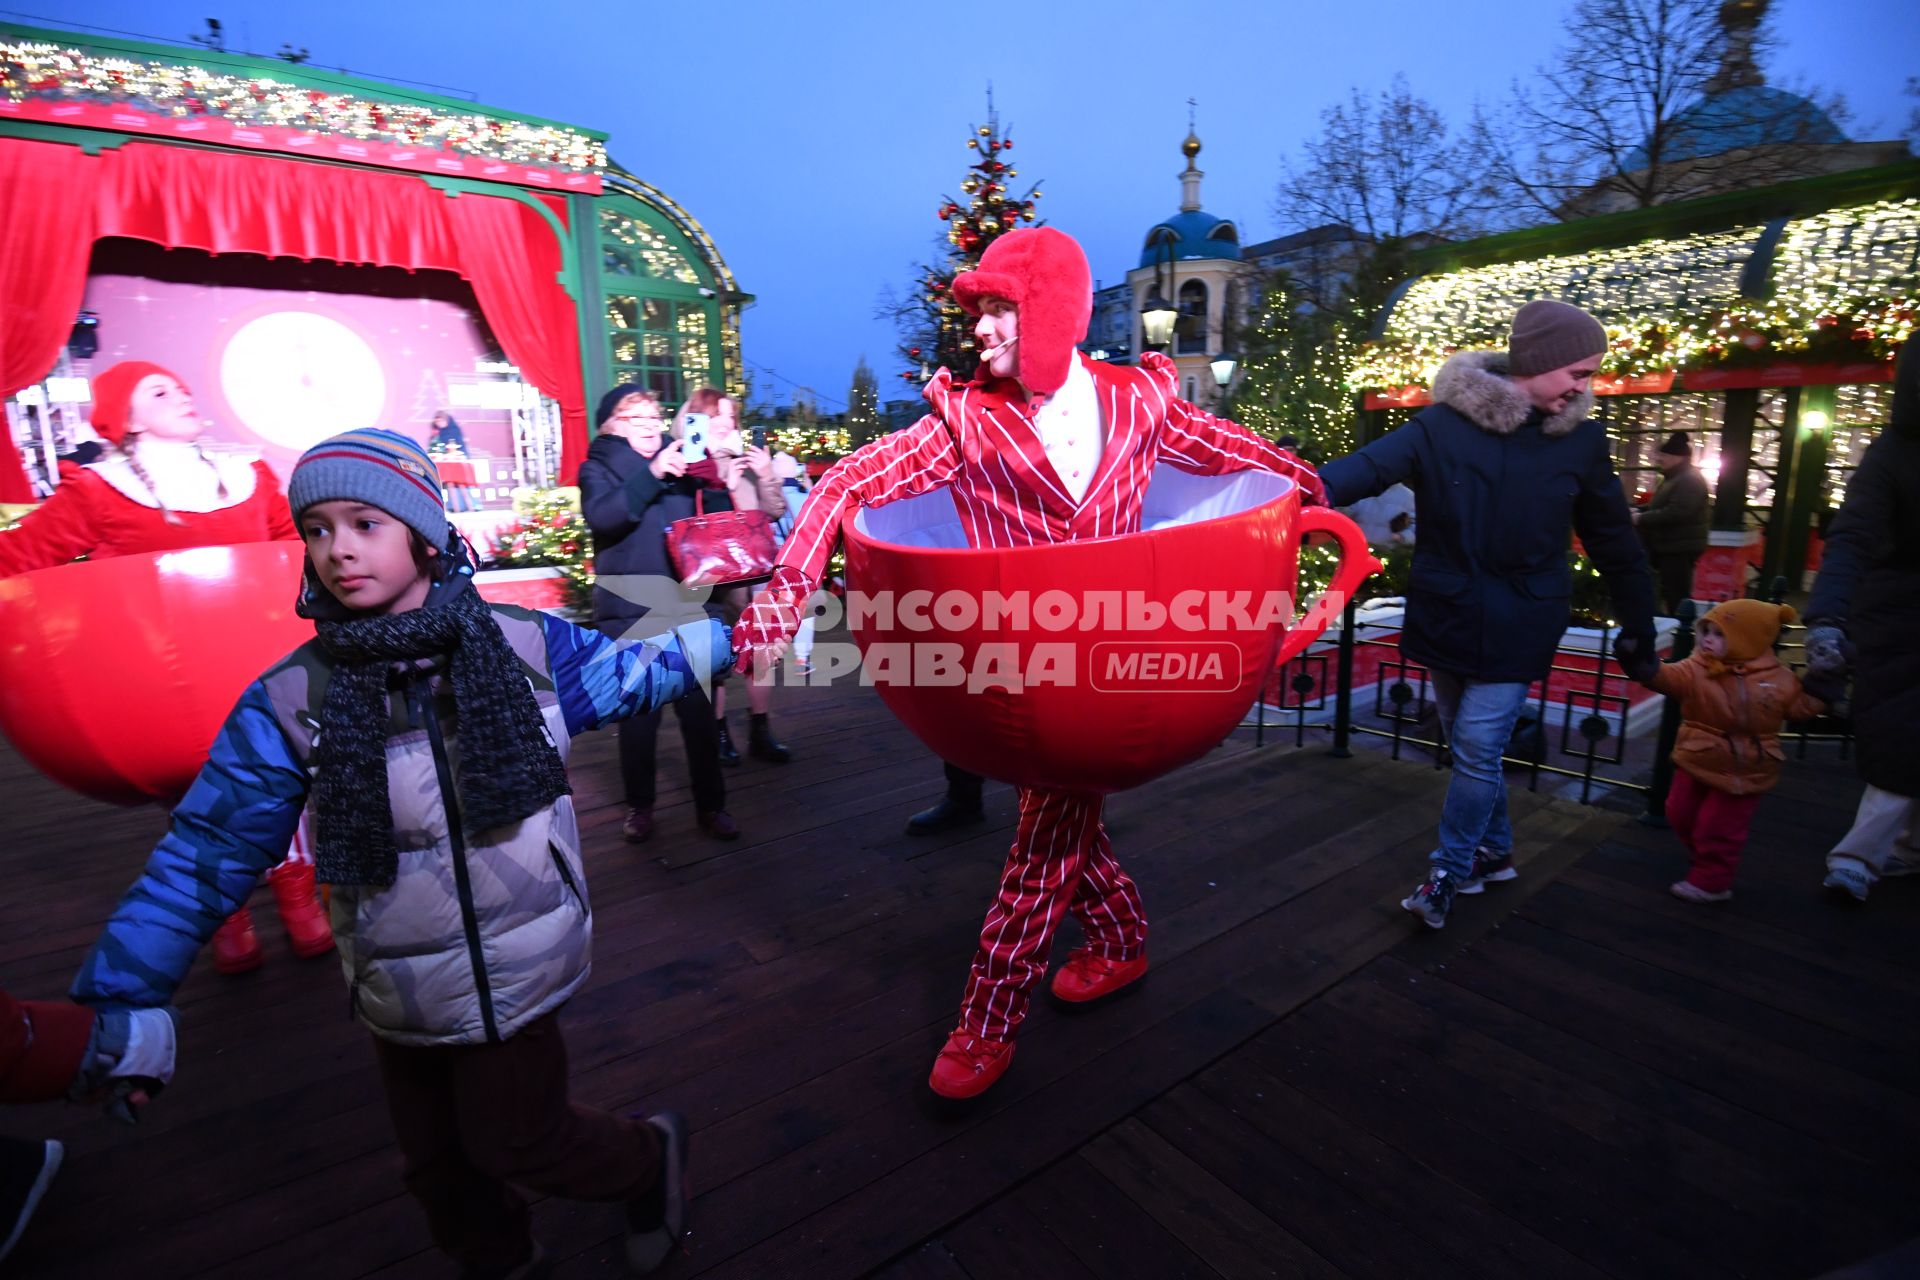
(982, 442)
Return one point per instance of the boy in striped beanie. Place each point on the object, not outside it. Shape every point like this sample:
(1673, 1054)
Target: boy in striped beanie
(459, 895)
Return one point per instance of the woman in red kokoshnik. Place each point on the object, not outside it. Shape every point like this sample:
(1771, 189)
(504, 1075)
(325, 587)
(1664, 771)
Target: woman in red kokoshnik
(154, 489)
(1043, 446)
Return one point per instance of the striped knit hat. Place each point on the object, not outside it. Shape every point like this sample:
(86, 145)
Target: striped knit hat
(383, 469)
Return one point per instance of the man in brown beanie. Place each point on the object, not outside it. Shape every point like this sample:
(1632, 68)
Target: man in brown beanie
(1673, 524)
(1504, 465)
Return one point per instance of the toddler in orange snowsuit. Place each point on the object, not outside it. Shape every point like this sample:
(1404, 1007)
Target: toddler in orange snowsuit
(1734, 696)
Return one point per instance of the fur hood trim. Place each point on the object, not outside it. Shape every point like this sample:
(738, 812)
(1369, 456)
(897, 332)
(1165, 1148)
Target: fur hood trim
(1475, 385)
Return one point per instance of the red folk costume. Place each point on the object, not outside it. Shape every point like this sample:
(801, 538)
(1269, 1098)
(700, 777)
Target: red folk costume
(1062, 454)
(148, 494)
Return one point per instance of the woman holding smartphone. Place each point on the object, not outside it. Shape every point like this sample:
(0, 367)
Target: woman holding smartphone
(634, 483)
(712, 418)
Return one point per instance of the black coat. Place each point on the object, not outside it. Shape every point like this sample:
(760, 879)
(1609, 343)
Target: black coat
(1677, 517)
(1869, 583)
(1498, 488)
(628, 509)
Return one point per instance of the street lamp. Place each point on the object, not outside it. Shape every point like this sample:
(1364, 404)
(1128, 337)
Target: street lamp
(1223, 366)
(1157, 317)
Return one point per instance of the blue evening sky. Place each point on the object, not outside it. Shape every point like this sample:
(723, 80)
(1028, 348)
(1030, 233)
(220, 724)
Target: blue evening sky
(814, 139)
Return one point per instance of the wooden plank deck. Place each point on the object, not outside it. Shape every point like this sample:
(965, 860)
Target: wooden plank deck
(1609, 1082)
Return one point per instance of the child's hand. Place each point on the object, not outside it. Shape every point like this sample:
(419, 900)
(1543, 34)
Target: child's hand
(1829, 687)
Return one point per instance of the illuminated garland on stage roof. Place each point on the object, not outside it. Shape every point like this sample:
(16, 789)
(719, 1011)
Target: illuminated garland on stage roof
(1845, 288)
(46, 71)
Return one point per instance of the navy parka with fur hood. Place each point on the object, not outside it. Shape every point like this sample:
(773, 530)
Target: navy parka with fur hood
(1498, 488)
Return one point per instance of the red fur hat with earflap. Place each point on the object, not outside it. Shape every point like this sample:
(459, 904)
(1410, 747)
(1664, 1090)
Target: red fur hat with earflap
(1044, 273)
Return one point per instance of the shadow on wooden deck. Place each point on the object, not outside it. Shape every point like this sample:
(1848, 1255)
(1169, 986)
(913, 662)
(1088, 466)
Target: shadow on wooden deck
(1581, 1076)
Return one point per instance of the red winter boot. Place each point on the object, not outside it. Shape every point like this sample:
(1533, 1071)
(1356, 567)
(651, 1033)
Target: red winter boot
(307, 928)
(236, 949)
(968, 1064)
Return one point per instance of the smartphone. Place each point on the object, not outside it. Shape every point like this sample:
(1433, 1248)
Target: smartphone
(693, 438)
(759, 437)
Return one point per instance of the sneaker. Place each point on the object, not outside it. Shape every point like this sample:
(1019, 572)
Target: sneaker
(657, 1223)
(1848, 880)
(1688, 891)
(26, 1171)
(1086, 976)
(719, 825)
(1433, 899)
(967, 1065)
(638, 828)
(1488, 869)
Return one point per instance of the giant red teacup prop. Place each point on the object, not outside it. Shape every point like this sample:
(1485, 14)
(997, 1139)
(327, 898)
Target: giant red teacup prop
(1154, 664)
(115, 675)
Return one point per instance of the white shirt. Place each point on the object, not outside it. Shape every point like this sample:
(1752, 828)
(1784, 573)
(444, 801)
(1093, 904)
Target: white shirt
(1071, 431)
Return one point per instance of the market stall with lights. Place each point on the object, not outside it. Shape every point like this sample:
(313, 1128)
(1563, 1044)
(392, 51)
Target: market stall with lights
(1763, 322)
(584, 273)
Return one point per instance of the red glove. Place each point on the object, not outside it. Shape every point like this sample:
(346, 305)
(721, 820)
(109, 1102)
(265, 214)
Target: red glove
(770, 621)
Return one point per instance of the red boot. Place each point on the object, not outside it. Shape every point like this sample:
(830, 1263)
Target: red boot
(307, 928)
(1086, 976)
(968, 1064)
(236, 948)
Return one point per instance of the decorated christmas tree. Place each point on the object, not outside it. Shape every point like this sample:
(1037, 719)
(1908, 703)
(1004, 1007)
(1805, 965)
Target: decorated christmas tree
(1296, 363)
(934, 331)
(550, 533)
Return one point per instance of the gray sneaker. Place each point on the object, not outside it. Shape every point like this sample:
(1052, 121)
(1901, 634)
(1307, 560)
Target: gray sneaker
(1488, 868)
(655, 1229)
(1848, 880)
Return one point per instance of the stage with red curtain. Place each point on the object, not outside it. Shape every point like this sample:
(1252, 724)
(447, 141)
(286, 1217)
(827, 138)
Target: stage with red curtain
(62, 200)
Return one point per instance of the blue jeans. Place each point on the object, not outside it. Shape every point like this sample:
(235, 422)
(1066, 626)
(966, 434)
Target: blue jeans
(1477, 717)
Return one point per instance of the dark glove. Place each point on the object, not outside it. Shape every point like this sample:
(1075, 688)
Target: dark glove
(1828, 686)
(1637, 656)
(1829, 652)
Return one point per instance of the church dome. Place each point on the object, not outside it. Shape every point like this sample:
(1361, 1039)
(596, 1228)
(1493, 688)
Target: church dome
(1742, 118)
(1193, 233)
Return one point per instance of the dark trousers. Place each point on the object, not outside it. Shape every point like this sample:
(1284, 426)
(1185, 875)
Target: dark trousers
(1673, 572)
(699, 731)
(963, 786)
(470, 1119)
(639, 738)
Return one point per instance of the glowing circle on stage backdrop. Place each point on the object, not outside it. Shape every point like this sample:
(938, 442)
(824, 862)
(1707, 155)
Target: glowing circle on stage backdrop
(297, 377)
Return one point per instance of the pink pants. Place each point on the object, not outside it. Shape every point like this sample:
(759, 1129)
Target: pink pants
(1713, 825)
(1061, 861)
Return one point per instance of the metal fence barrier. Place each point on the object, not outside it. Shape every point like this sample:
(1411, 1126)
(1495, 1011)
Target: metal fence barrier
(1300, 690)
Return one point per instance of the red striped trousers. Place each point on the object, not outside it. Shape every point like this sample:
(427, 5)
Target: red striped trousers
(1061, 861)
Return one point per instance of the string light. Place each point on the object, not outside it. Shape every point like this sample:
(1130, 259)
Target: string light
(47, 72)
(1845, 288)
(652, 254)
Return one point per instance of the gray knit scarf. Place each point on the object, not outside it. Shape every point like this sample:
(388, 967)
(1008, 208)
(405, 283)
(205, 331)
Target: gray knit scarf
(509, 769)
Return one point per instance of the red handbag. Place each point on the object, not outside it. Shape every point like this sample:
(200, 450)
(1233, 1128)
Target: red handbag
(721, 549)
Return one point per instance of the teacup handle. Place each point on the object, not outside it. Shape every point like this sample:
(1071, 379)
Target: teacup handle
(1357, 564)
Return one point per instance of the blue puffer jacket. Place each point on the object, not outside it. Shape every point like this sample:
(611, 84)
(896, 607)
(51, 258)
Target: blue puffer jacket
(481, 931)
(1498, 488)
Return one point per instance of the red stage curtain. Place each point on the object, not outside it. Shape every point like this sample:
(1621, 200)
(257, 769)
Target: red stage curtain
(185, 198)
(46, 233)
(510, 255)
